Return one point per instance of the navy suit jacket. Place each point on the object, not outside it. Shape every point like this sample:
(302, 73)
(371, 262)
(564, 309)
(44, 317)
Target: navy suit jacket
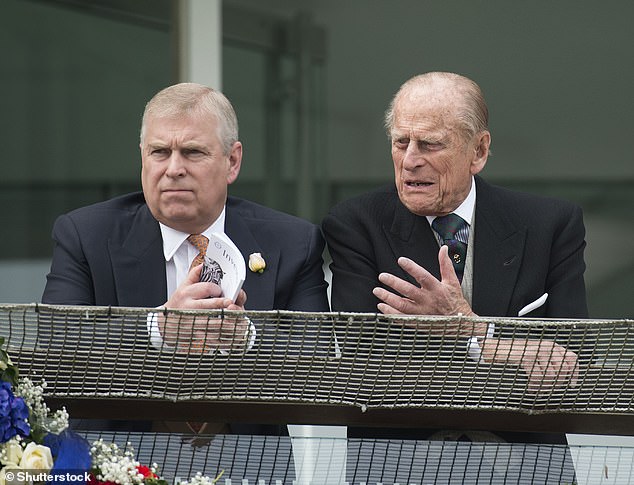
(524, 246)
(111, 253)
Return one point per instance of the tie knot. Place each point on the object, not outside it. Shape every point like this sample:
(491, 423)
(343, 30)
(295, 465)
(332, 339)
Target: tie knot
(447, 226)
(200, 242)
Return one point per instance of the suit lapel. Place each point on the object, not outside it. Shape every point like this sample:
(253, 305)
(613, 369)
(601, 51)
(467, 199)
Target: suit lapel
(499, 246)
(259, 287)
(138, 263)
(411, 236)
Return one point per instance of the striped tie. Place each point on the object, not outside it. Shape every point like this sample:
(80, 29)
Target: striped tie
(448, 228)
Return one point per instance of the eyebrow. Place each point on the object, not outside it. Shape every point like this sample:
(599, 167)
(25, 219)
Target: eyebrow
(429, 138)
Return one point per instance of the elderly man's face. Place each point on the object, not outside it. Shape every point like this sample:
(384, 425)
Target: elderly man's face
(185, 172)
(433, 160)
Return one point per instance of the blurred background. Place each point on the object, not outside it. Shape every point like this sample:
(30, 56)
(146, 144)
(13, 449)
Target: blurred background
(310, 80)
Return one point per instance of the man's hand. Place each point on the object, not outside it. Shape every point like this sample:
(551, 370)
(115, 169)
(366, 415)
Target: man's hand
(546, 363)
(199, 332)
(431, 297)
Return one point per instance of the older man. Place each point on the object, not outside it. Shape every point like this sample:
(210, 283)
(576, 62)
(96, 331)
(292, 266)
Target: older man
(136, 250)
(442, 241)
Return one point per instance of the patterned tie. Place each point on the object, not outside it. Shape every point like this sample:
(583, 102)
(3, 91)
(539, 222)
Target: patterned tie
(447, 228)
(200, 242)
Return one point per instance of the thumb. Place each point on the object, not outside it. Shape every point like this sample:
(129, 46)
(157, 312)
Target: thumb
(194, 274)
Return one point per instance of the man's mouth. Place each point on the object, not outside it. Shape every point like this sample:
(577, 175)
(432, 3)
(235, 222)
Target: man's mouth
(418, 184)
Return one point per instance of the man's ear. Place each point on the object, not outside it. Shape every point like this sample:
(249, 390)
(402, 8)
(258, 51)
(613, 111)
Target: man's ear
(482, 143)
(235, 162)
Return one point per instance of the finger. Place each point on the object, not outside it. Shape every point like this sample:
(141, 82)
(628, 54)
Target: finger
(193, 276)
(203, 290)
(559, 366)
(399, 285)
(572, 367)
(421, 275)
(396, 304)
(387, 309)
(564, 364)
(241, 299)
(210, 303)
(447, 271)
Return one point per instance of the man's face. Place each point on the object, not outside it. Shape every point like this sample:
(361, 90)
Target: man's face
(185, 172)
(433, 160)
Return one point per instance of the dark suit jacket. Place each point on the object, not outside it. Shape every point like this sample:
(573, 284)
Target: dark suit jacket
(111, 253)
(524, 246)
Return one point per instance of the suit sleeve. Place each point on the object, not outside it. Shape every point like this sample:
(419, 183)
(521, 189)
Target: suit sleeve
(69, 281)
(354, 272)
(308, 292)
(565, 282)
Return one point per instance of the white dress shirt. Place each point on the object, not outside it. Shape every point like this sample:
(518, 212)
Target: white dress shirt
(179, 254)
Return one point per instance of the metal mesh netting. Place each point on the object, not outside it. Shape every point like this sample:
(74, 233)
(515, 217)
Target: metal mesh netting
(362, 360)
(273, 460)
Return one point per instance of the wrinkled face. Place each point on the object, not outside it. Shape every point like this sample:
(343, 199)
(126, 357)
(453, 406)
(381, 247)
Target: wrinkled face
(433, 160)
(185, 172)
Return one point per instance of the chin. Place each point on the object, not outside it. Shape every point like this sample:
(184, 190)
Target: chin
(419, 208)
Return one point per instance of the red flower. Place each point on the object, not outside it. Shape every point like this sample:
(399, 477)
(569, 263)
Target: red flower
(92, 480)
(146, 472)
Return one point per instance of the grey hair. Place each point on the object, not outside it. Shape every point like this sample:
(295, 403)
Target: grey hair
(473, 113)
(191, 98)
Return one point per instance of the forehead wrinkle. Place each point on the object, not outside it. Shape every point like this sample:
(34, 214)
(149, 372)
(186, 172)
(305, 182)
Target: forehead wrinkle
(420, 127)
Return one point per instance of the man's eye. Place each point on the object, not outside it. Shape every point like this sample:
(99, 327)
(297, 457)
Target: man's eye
(431, 145)
(159, 152)
(401, 142)
(192, 152)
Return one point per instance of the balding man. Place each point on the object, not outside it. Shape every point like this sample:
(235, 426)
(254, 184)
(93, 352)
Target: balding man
(442, 241)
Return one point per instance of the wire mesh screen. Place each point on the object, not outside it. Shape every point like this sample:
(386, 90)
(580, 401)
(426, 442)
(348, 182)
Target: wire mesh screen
(362, 360)
(273, 460)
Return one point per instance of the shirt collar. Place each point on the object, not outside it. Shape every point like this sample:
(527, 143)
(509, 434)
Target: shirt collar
(172, 239)
(464, 210)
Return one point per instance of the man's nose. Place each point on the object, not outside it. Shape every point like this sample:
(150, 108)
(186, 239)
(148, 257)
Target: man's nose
(175, 165)
(413, 158)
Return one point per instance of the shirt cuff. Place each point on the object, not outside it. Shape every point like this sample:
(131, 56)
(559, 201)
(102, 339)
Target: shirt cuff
(473, 346)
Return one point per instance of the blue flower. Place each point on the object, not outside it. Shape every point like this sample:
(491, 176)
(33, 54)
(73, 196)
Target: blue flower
(71, 452)
(13, 414)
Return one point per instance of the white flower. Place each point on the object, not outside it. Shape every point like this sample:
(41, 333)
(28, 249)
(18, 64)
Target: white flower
(201, 479)
(33, 396)
(37, 457)
(115, 464)
(11, 452)
(10, 468)
(256, 263)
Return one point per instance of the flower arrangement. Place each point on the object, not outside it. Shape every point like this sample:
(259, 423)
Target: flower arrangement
(36, 445)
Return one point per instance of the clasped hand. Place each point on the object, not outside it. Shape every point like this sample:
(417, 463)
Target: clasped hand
(546, 363)
(201, 332)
